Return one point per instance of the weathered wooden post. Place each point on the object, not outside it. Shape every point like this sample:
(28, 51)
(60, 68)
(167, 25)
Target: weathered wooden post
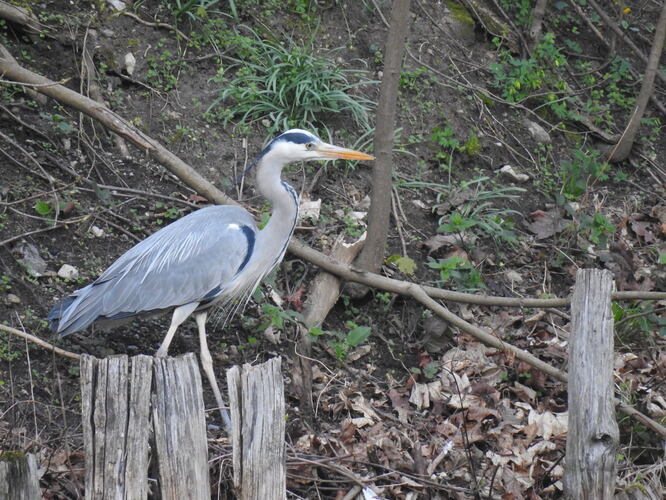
(116, 426)
(180, 429)
(593, 434)
(256, 395)
(18, 476)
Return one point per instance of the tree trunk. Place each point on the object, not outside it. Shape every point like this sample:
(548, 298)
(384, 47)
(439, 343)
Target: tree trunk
(623, 147)
(537, 22)
(372, 255)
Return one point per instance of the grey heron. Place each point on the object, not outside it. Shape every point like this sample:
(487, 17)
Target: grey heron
(213, 256)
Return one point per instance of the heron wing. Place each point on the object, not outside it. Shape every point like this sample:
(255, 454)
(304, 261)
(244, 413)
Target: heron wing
(186, 261)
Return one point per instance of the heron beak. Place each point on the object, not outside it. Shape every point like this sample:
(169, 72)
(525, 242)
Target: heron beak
(328, 151)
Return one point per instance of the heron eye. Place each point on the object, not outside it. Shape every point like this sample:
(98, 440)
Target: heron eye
(309, 146)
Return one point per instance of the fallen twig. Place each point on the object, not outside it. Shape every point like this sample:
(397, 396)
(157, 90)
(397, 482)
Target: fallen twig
(155, 25)
(39, 342)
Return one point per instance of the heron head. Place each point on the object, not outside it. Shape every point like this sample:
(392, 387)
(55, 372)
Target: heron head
(301, 145)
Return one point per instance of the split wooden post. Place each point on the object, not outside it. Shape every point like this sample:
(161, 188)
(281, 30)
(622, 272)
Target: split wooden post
(256, 395)
(18, 476)
(180, 429)
(593, 434)
(116, 426)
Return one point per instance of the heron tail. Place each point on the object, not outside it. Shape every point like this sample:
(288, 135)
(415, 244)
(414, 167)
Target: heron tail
(72, 314)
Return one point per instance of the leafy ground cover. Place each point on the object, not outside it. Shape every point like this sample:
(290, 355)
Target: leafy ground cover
(501, 187)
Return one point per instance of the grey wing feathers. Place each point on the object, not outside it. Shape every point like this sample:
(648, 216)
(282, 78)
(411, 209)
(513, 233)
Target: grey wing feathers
(179, 264)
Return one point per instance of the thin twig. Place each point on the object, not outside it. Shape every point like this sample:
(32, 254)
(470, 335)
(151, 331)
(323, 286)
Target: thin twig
(39, 342)
(155, 25)
(639, 315)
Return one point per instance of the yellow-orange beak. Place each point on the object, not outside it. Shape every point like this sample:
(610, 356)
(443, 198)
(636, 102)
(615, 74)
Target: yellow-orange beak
(328, 151)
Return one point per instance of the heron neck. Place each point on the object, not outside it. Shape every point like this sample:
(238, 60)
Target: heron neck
(284, 208)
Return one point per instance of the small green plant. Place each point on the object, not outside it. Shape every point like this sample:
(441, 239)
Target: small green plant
(354, 227)
(520, 79)
(59, 123)
(284, 85)
(5, 283)
(459, 272)
(163, 68)
(6, 352)
(411, 81)
(597, 228)
(342, 343)
(195, 10)
(445, 138)
(405, 264)
(43, 208)
(473, 146)
(277, 317)
(521, 10)
(581, 170)
(429, 371)
(478, 212)
(638, 317)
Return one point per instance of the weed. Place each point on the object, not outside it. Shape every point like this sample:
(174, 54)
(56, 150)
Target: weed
(267, 8)
(195, 10)
(163, 69)
(477, 213)
(342, 343)
(655, 126)
(284, 86)
(405, 264)
(411, 81)
(429, 371)
(5, 283)
(458, 271)
(520, 79)
(277, 317)
(597, 228)
(582, 169)
(473, 146)
(638, 317)
(444, 137)
(6, 351)
(43, 208)
(520, 9)
(59, 123)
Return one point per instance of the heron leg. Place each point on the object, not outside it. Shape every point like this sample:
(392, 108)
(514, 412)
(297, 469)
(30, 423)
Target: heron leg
(207, 364)
(180, 314)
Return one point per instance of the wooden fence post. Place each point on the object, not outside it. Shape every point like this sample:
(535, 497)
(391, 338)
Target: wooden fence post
(18, 476)
(593, 434)
(256, 395)
(116, 426)
(180, 429)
